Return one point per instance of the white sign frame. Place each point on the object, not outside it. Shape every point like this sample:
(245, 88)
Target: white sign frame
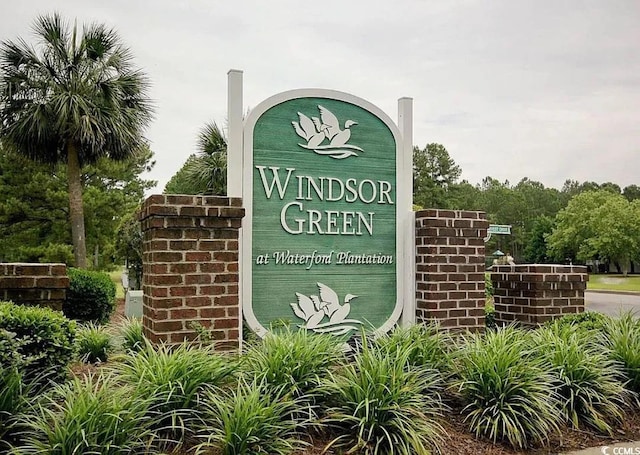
(405, 248)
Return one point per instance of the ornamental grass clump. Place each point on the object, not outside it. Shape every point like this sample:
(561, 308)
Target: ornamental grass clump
(132, 333)
(424, 345)
(293, 361)
(94, 414)
(171, 380)
(248, 420)
(375, 405)
(506, 388)
(13, 401)
(93, 343)
(587, 380)
(623, 339)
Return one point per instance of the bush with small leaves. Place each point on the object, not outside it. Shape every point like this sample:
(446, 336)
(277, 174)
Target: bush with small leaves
(248, 420)
(94, 414)
(490, 316)
(93, 343)
(489, 289)
(43, 339)
(506, 388)
(586, 321)
(91, 296)
(376, 404)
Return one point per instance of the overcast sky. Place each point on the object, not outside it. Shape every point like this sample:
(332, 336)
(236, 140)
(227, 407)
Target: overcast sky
(548, 90)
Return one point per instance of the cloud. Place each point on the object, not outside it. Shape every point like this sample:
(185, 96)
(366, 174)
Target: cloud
(547, 90)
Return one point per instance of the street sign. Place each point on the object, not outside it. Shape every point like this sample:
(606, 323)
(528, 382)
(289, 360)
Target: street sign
(497, 229)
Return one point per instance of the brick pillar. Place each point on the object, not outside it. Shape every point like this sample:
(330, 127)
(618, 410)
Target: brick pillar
(450, 268)
(534, 294)
(190, 267)
(34, 284)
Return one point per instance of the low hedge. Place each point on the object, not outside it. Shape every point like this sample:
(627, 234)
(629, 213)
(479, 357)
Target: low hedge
(91, 296)
(37, 341)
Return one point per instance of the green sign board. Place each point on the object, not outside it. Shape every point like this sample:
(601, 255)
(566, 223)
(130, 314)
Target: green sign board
(499, 229)
(321, 245)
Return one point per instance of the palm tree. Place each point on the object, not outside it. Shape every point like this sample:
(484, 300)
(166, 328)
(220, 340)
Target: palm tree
(208, 172)
(73, 99)
(204, 172)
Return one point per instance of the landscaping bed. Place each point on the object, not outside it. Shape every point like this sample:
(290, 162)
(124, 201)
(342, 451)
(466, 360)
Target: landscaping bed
(570, 385)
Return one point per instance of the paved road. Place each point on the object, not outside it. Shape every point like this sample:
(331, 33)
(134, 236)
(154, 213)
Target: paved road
(612, 304)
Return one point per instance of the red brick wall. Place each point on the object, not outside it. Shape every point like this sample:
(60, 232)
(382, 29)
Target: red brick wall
(534, 294)
(450, 268)
(190, 267)
(34, 284)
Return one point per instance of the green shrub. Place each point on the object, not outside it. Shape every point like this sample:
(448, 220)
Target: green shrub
(490, 316)
(171, 379)
(132, 334)
(91, 296)
(424, 345)
(93, 343)
(376, 405)
(93, 414)
(588, 320)
(588, 381)
(293, 360)
(10, 349)
(43, 339)
(488, 285)
(246, 421)
(506, 388)
(623, 339)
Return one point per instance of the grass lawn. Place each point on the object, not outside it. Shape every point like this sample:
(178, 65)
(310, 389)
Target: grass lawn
(614, 283)
(116, 277)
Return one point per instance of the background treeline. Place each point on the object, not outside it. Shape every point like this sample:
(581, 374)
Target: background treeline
(583, 222)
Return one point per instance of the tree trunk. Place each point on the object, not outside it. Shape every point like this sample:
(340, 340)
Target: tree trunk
(76, 210)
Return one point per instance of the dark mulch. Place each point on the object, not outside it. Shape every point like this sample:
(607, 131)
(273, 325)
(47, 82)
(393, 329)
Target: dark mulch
(461, 442)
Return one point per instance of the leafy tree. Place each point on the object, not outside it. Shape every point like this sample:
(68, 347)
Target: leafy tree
(434, 172)
(464, 196)
(598, 225)
(74, 99)
(206, 171)
(536, 250)
(34, 206)
(180, 183)
(611, 187)
(631, 192)
(129, 246)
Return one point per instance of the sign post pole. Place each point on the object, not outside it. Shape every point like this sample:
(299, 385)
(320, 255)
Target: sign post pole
(405, 123)
(235, 158)
(234, 139)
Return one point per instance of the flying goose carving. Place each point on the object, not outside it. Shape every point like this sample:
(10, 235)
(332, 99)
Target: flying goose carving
(331, 303)
(306, 129)
(332, 127)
